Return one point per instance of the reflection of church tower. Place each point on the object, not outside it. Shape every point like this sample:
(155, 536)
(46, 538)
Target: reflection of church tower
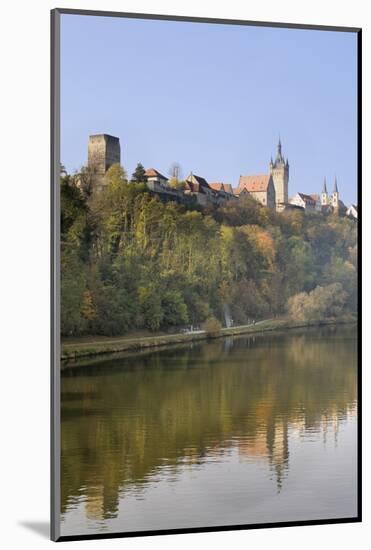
(101, 502)
(278, 448)
(94, 503)
(279, 170)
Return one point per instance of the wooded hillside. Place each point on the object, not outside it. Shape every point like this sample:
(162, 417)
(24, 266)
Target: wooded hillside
(130, 261)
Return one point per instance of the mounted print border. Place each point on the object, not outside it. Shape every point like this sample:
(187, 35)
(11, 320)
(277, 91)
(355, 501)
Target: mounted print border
(56, 271)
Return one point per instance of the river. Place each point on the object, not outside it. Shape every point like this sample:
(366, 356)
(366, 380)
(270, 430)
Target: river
(246, 430)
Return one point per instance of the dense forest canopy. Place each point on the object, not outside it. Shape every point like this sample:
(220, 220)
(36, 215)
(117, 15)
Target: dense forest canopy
(130, 261)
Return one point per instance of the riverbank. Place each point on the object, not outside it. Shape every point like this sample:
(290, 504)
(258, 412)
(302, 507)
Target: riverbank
(72, 350)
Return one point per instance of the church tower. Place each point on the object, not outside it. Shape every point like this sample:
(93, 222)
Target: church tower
(279, 170)
(324, 194)
(335, 195)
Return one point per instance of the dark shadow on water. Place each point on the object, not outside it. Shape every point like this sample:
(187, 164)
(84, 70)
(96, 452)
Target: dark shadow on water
(42, 528)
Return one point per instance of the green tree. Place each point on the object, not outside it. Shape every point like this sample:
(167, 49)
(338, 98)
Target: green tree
(321, 303)
(73, 286)
(174, 309)
(177, 184)
(139, 174)
(212, 326)
(150, 307)
(115, 176)
(130, 260)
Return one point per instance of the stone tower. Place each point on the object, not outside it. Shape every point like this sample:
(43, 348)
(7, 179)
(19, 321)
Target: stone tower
(324, 194)
(279, 168)
(103, 151)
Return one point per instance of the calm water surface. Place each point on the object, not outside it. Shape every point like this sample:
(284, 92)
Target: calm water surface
(236, 431)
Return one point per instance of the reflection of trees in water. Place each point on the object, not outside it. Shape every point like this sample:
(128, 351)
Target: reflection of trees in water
(120, 424)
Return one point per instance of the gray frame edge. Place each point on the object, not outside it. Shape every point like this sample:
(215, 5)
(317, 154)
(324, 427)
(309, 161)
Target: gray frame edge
(55, 276)
(212, 20)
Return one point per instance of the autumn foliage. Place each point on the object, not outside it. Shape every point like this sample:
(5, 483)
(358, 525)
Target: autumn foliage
(130, 261)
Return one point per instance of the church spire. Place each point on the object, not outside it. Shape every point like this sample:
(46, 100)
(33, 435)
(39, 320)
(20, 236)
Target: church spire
(279, 170)
(279, 158)
(279, 147)
(336, 190)
(324, 190)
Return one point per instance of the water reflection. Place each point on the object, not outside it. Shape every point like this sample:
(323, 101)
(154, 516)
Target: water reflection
(128, 423)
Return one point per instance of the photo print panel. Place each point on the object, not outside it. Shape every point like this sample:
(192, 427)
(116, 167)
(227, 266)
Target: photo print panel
(206, 182)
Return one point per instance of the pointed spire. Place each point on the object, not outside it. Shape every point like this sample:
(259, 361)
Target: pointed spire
(336, 186)
(279, 158)
(279, 147)
(324, 190)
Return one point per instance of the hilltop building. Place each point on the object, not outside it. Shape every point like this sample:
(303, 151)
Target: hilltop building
(198, 187)
(307, 202)
(332, 201)
(269, 189)
(317, 198)
(158, 184)
(352, 212)
(279, 170)
(260, 187)
(103, 151)
(324, 202)
(155, 177)
(224, 190)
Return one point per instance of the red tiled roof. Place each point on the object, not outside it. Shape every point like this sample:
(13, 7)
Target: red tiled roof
(217, 186)
(220, 186)
(196, 183)
(307, 198)
(228, 187)
(152, 173)
(239, 191)
(255, 184)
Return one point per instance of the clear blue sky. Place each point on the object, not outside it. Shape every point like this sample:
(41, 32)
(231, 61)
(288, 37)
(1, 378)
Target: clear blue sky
(213, 98)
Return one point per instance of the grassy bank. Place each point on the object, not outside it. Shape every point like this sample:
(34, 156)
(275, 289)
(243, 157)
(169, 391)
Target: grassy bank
(72, 350)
